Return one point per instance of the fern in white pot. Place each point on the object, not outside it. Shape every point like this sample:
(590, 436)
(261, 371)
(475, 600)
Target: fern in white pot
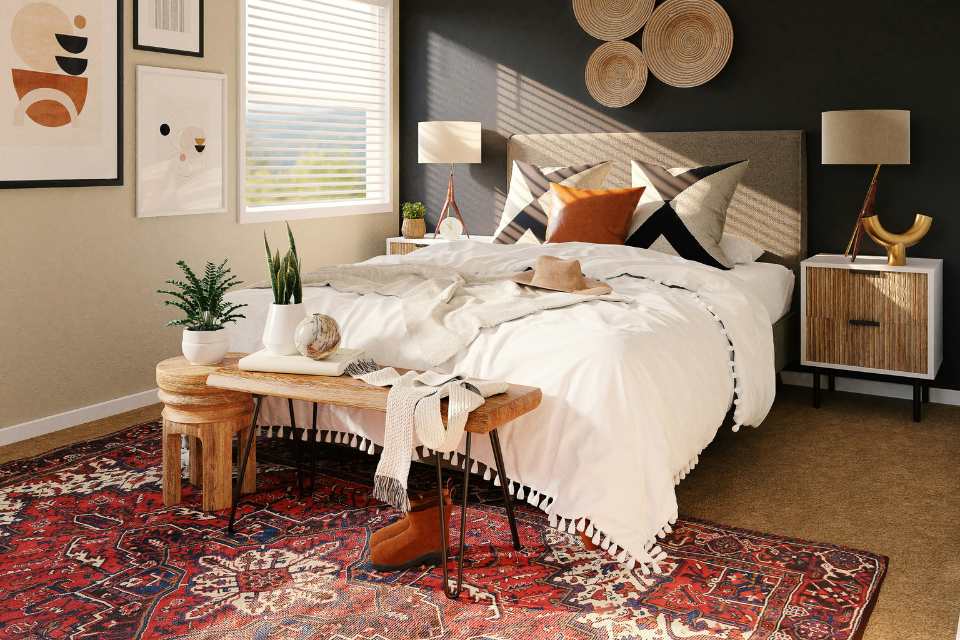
(206, 311)
(287, 310)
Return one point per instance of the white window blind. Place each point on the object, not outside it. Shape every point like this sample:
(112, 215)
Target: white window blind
(316, 98)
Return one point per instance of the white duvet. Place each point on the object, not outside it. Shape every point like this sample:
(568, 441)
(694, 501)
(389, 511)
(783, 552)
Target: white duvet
(632, 393)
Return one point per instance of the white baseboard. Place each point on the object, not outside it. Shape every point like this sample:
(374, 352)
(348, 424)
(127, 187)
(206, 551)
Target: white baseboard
(873, 387)
(67, 419)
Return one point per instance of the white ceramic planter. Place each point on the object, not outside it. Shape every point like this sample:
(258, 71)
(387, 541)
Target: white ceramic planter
(205, 347)
(282, 321)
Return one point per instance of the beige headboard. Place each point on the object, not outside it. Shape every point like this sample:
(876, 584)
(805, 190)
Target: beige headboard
(769, 206)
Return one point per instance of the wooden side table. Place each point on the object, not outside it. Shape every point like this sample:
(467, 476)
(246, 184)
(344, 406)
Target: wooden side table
(210, 418)
(870, 317)
(402, 246)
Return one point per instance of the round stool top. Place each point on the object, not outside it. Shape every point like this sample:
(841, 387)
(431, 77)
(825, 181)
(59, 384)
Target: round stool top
(176, 375)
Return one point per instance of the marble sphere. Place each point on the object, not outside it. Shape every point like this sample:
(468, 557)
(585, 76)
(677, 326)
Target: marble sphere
(317, 336)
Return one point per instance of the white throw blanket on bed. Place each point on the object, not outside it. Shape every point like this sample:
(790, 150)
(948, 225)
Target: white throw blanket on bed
(414, 404)
(632, 393)
(444, 310)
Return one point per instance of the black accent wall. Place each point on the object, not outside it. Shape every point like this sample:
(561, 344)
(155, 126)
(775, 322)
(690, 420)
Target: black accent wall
(517, 66)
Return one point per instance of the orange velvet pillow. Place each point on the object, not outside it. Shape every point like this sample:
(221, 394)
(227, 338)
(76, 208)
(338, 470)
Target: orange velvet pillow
(601, 216)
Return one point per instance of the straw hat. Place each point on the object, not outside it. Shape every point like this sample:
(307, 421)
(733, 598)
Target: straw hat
(555, 274)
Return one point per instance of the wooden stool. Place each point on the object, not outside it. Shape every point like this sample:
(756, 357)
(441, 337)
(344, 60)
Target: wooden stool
(210, 418)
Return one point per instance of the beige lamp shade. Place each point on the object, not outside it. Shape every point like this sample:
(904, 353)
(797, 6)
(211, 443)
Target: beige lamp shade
(871, 136)
(448, 142)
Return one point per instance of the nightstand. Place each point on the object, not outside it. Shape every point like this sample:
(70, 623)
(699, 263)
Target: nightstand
(401, 246)
(869, 317)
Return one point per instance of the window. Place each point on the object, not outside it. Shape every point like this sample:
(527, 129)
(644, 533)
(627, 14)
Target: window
(316, 109)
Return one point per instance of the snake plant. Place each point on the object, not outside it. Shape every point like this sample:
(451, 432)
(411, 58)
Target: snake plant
(202, 299)
(284, 272)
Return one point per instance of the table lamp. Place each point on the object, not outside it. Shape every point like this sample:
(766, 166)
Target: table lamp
(453, 143)
(873, 137)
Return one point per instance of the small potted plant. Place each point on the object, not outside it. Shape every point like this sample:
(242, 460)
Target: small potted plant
(205, 311)
(286, 312)
(414, 226)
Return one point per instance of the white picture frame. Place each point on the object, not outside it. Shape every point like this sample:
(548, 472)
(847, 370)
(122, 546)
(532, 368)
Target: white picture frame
(181, 142)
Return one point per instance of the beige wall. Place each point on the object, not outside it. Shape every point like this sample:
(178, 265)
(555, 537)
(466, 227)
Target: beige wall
(79, 320)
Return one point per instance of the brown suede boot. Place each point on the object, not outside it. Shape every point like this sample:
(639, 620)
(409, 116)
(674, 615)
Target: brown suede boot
(417, 544)
(418, 502)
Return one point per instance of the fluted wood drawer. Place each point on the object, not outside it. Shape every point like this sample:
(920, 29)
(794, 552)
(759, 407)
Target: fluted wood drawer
(402, 248)
(895, 346)
(882, 296)
(871, 319)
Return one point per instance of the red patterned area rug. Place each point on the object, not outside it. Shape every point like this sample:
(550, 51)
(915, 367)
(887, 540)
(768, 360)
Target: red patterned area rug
(87, 550)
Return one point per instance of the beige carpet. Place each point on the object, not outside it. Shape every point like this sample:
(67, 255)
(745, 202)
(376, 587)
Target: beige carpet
(857, 472)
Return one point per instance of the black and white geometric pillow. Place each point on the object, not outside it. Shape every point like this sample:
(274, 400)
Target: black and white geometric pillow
(525, 214)
(683, 211)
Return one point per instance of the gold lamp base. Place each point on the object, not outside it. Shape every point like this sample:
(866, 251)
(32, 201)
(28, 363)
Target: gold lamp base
(896, 243)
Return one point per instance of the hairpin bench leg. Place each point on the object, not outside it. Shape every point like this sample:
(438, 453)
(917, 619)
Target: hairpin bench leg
(242, 462)
(313, 451)
(299, 450)
(507, 499)
(454, 593)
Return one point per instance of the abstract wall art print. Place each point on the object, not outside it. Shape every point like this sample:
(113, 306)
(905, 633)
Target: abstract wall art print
(61, 93)
(181, 142)
(169, 26)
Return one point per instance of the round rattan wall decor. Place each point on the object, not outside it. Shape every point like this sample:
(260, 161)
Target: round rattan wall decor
(688, 42)
(616, 74)
(612, 19)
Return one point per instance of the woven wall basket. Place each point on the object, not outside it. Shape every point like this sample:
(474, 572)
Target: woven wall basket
(688, 42)
(612, 19)
(616, 74)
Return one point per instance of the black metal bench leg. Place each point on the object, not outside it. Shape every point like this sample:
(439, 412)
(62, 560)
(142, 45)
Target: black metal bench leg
(507, 499)
(242, 462)
(299, 450)
(454, 593)
(313, 451)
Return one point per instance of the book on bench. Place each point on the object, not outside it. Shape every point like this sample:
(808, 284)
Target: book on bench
(333, 365)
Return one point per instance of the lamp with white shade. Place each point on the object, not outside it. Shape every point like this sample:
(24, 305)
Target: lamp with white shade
(872, 137)
(453, 143)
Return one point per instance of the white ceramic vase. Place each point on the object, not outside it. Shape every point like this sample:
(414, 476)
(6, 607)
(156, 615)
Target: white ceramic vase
(205, 347)
(278, 333)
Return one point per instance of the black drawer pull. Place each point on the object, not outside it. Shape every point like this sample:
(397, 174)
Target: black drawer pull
(865, 323)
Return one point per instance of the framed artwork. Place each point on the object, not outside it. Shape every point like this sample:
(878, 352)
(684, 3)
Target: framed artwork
(181, 142)
(169, 26)
(61, 93)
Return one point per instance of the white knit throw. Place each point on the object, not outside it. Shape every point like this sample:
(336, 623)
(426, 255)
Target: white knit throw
(414, 403)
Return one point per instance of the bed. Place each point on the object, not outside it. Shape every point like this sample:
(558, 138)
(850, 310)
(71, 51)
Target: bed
(632, 392)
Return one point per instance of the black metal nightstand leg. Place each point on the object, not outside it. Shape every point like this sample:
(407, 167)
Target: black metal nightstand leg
(926, 392)
(831, 382)
(816, 388)
(917, 401)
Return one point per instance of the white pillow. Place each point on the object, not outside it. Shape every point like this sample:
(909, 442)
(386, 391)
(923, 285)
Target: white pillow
(527, 209)
(740, 250)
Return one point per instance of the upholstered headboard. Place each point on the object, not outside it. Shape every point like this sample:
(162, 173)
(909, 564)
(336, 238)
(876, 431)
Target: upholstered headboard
(769, 206)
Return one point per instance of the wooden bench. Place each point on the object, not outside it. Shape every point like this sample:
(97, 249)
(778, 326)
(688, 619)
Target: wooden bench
(345, 391)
